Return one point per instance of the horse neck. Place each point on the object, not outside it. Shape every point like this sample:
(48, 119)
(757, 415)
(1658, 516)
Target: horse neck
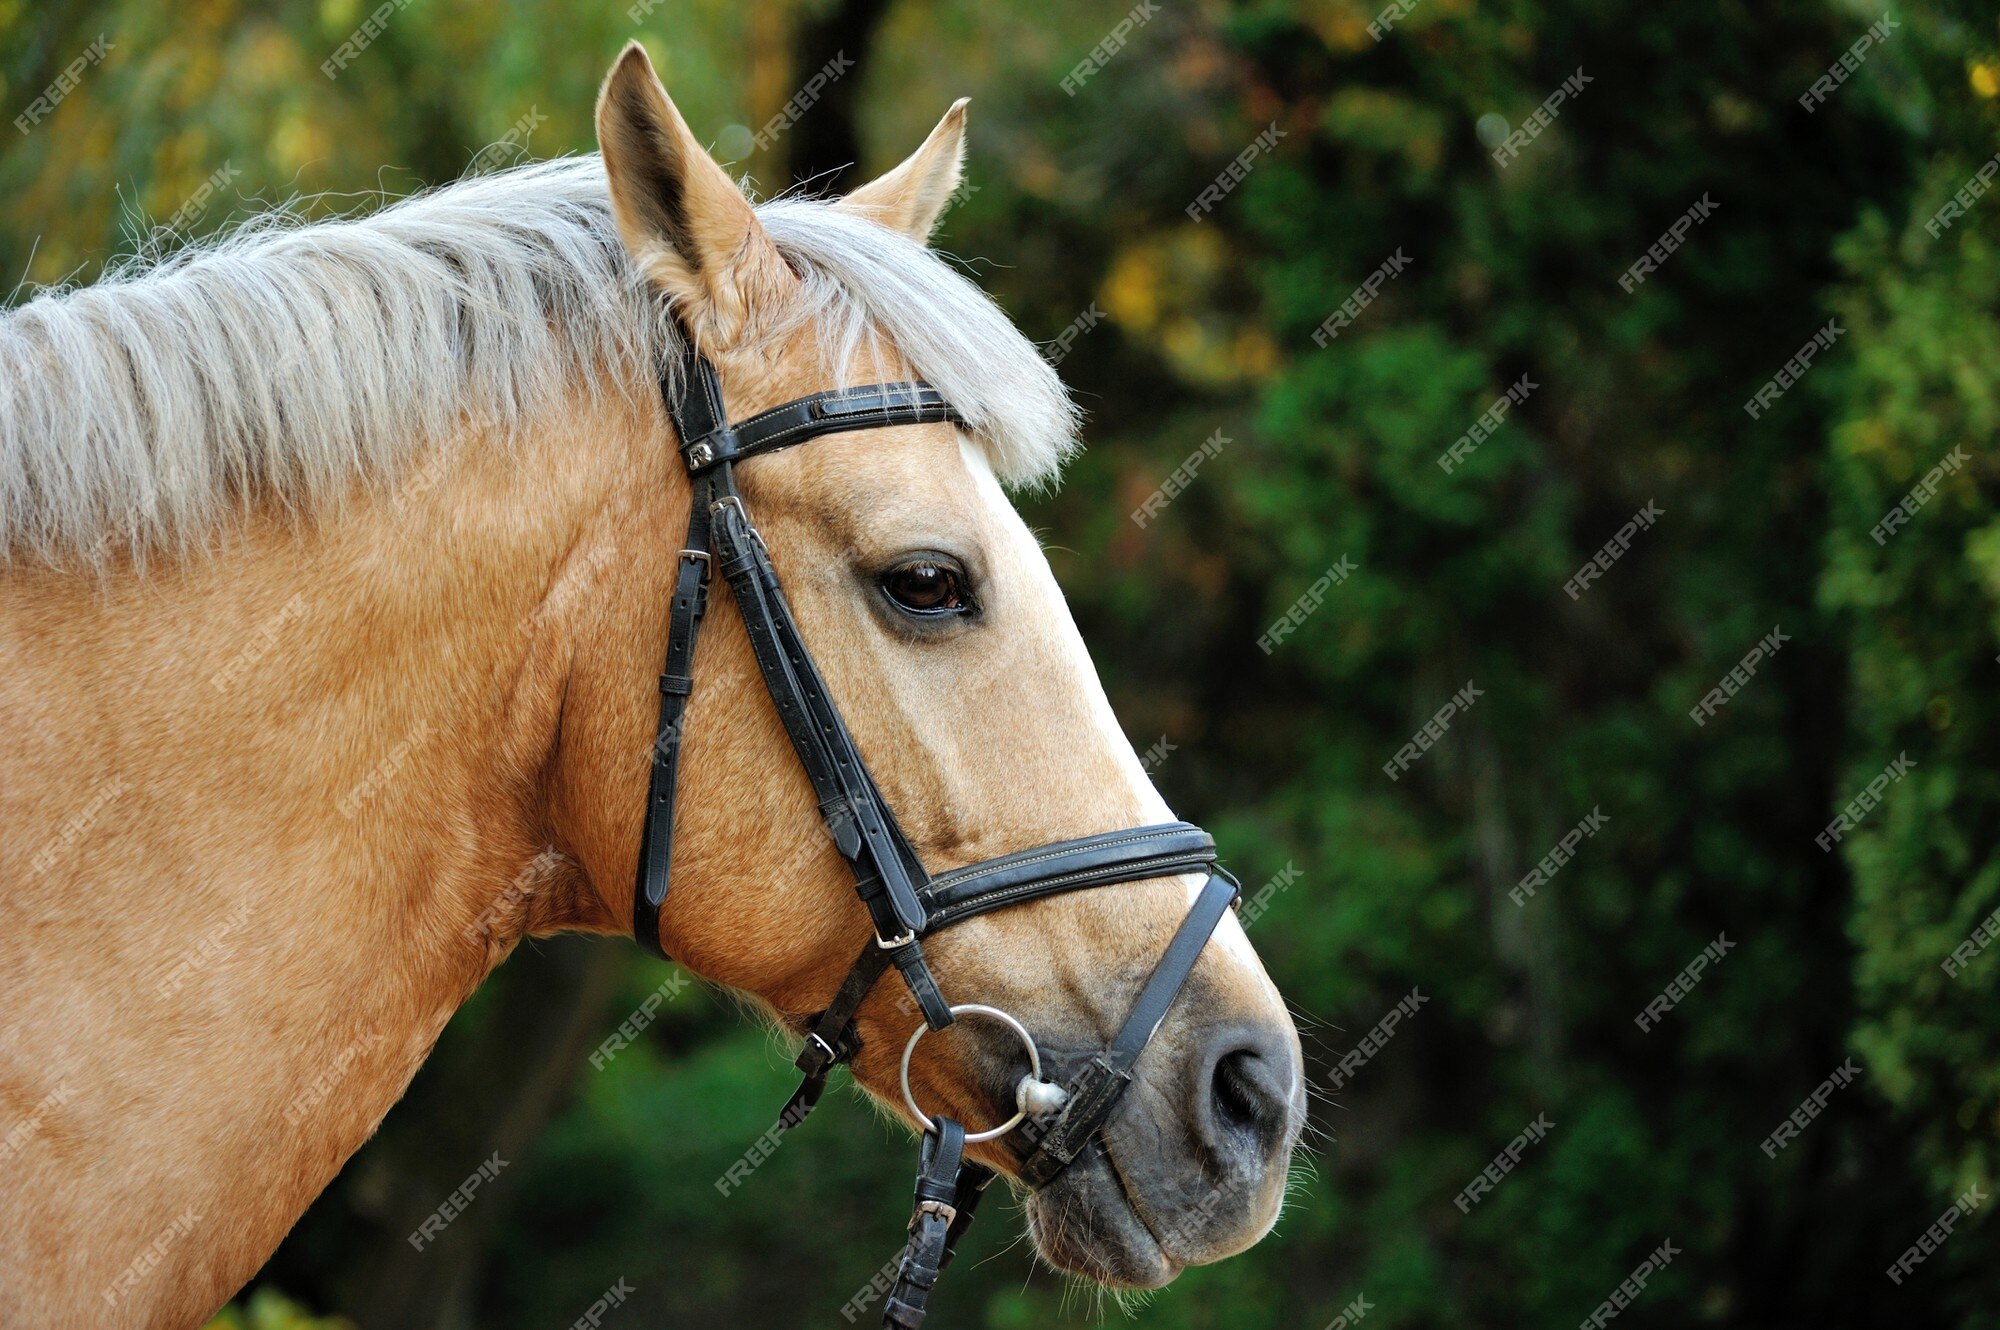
(274, 815)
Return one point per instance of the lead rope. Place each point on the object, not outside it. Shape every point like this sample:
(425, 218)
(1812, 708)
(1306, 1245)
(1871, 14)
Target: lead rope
(948, 1191)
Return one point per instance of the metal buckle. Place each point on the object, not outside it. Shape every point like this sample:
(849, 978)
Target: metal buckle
(891, 943)
(699, 556)
(948, 1213)
(831, 1056)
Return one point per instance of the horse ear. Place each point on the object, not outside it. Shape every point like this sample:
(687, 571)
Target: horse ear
(683, 220)
(912, 197)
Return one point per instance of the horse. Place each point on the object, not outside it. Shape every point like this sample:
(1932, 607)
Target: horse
(334, 593)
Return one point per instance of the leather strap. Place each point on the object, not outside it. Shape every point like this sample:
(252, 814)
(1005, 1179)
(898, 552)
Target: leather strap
(1133, 855)
(690, 604)
(886, 868)
(1090, 861)
(948, 1189)
(1095, 1088)
(880, 404)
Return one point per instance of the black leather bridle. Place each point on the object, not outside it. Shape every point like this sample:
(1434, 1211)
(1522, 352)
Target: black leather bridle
(904, 902)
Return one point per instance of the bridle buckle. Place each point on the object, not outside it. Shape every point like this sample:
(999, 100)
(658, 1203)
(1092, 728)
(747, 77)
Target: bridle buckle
(900, 940)
(941, 1209)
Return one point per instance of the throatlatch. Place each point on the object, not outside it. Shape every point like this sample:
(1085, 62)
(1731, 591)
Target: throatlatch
(904, 903)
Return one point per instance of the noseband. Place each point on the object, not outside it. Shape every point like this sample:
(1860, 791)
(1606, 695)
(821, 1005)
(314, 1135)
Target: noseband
(905, 903)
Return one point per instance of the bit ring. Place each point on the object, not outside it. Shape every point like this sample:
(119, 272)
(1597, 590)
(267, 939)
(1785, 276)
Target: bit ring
(1027, 1042)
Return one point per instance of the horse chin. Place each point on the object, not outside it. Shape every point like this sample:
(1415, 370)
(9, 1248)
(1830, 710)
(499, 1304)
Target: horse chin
(1086, 1223)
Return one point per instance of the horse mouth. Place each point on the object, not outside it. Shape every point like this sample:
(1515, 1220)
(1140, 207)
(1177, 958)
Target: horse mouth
(1086, 1223)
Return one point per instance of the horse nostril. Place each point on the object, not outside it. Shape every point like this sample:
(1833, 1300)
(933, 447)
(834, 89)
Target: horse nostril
(1236, 1097)
(1249, 1088)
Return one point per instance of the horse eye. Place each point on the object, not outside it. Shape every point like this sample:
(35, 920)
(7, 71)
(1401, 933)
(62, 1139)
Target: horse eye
(927, 586)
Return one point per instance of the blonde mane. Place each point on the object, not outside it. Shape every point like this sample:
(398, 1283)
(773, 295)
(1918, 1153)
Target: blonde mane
(283, 360)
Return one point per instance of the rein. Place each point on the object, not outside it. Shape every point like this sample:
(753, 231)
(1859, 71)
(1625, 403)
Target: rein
(905, 903)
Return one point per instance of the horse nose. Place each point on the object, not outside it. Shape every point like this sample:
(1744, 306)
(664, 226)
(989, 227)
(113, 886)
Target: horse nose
(1244, 1094)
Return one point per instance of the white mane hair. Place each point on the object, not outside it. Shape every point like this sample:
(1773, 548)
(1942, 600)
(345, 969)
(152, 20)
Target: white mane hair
(283, 360)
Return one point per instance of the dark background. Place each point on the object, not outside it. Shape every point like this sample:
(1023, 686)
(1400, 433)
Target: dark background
(1079, 205)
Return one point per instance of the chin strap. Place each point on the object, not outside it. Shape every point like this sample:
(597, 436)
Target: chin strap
(948, 1191)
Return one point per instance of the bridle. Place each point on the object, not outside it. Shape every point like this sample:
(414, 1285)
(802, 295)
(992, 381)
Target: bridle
(904, 902)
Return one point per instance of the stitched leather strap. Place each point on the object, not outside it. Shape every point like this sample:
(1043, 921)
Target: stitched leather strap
(877, 405)
(1089, 861)
(1095, 1088)
(1164, 850)
(886, 869)
(690, 604)
(944, 1209)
